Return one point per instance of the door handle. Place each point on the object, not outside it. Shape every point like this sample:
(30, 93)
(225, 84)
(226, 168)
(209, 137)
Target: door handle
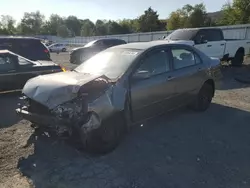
(209, 45)
(199, 69)
(222, 44)
(170, 78)
(12, 71)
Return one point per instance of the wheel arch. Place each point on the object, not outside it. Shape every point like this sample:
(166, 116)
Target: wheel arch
(240, 50)
(210, 82)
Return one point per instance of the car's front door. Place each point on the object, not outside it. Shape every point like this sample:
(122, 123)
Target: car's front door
(188, 71)
(214, 44)
(151, 87)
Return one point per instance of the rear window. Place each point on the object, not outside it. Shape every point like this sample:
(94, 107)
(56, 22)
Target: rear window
(29, 48)
(181, 34)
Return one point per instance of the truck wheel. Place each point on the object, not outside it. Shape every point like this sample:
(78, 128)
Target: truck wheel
(106, 137)
(203, 99)
(238, 58)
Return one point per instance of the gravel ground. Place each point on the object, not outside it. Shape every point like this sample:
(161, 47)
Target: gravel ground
(177, 150)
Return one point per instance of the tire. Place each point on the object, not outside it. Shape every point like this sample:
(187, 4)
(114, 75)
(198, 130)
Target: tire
(238, 58)
(64, 50)
(203, 99)
(106, 137)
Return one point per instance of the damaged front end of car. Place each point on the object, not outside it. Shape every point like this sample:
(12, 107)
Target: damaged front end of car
(82, 112)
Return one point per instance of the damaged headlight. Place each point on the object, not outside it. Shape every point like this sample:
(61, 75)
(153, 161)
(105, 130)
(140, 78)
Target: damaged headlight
(73, 110)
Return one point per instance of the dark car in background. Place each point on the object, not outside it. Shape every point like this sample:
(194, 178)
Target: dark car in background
(81, 54)
(28, 47)
(16, 70)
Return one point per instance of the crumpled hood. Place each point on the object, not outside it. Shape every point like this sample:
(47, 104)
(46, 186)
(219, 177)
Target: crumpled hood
(57, 88)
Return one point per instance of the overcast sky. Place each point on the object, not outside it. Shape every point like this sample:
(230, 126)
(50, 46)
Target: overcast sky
(100, 9)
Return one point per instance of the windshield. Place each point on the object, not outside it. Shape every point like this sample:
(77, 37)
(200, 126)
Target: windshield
(182, 34)
(90, 43)
(112, 63)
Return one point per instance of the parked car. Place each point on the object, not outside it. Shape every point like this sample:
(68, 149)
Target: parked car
(212, 42)
(79, 55)
(15, 70)
(58, 47)
(28, 47)
(119, 87)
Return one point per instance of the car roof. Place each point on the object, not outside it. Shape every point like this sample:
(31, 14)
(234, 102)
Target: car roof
(19, 38)
(200, 28)
(4, 51)
(146, 45)
(109, 39)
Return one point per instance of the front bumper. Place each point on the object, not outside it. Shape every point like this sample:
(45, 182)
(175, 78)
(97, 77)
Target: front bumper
(43, 120)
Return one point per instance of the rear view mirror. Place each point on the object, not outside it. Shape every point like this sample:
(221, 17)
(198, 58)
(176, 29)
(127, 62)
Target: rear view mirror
(140, 75)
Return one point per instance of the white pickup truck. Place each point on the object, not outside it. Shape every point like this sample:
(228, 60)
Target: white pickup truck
(211, 41)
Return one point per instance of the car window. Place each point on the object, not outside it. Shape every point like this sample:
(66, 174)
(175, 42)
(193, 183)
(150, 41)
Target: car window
(210, 35)
(6, 64)
(109, 43)
(30, 49)
(22, 61)
(155, 63)
(184, 58)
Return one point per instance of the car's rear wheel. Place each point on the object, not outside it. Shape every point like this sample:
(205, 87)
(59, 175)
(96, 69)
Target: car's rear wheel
(204, 98)
(64, 50)
(106, 137)
(238, 58)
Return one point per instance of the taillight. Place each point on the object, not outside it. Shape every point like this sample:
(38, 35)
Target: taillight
(46, 51)
(63, 69)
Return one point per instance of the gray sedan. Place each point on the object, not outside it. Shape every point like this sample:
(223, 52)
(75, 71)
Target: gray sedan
(99, 100)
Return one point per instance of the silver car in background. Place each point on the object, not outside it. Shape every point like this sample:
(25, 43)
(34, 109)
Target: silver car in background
(57, 47)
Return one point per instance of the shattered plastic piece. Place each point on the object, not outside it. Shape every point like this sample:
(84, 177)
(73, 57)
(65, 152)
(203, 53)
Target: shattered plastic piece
(93, 123)
(47, 134)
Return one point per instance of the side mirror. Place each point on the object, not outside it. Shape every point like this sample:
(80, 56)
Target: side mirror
(200, 40)
(140, 75)
(203, 40)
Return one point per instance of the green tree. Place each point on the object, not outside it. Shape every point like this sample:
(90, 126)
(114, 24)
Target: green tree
(149, 21)
(74, 25)
(88, 28)
(189, 16)
(175, 21)
(101, 28)
(32, 23)
(7, 25)
(237, 12)
(63, 31)
(52, 25)
(197, 15)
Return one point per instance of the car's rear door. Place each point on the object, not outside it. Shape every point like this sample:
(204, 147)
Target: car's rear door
(188, 71)
(150, 96)
(8, 74)
(27, 69)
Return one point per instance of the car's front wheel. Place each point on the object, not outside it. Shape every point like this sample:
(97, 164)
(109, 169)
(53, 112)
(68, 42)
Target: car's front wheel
(106, 137)
(203, 99)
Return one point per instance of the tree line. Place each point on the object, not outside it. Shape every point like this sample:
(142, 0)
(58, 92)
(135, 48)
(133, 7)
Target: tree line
(34, 23)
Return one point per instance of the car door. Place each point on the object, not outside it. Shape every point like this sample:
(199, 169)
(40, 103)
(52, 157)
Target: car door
(8, 73)
(150, 95)
(212, 42)
(25, 70)
(188, 73)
